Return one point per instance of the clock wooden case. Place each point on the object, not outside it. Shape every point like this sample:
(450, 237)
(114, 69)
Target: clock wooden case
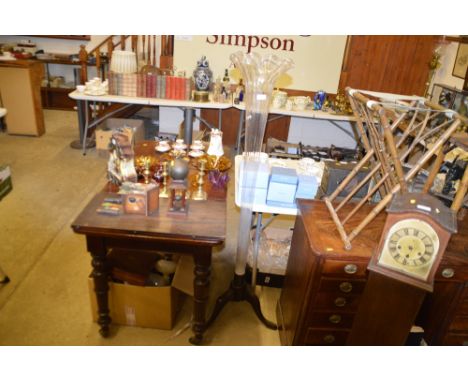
(414, 238)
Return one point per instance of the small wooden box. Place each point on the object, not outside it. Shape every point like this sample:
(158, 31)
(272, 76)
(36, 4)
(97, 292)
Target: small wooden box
(142, 203)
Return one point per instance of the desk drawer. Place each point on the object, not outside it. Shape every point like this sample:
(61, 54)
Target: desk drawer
(463, 307)
(337, 301)
(344, 268)
(342, 286)
(325, 337)
(331, 320)
(451, 272)
(455, 339)
(459, 324)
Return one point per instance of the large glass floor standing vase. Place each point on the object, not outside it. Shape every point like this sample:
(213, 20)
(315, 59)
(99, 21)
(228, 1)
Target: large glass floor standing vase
(259, 75)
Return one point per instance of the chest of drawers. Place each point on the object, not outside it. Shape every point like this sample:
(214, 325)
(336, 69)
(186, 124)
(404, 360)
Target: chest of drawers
(324, 283)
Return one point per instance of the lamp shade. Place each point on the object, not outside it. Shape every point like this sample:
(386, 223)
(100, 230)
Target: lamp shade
(123, 62)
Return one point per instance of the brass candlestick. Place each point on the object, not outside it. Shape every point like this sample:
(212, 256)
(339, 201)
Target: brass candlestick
(164, 193)
(147, 172)
(200, 194)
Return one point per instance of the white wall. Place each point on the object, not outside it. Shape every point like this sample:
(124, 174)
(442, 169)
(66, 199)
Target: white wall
(318, 132)
(317, 59)
(443, 75)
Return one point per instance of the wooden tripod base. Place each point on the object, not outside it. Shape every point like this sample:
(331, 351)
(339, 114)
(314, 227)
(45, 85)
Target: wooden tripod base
(240, 290)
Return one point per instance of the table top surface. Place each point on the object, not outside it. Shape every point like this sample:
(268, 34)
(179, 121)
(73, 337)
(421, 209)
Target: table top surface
(205, 222)
(76, 95)
(323, 234)
(308, 113)
(325, 239)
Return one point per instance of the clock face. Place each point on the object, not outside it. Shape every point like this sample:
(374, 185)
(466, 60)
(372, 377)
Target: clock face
(411, 247)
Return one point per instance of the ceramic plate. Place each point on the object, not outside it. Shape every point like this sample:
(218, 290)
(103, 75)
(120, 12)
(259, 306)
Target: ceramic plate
(196, 154)
(162, 149)
(95, 93)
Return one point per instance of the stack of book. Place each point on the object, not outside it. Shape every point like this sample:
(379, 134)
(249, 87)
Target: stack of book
(150, 86)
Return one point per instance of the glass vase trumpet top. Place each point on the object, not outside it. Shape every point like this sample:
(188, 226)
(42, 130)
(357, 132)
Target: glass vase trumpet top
(259, 74)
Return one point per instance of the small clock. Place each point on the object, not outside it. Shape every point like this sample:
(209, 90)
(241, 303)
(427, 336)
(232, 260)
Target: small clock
(410, 246)
(413, 240)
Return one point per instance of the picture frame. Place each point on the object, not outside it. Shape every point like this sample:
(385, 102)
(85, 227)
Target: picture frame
(461, 61)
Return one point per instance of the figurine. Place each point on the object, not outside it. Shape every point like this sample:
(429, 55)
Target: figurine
(120, 167)
(341, 104)
(239, 95)
(216, 143)
(319, 99)
(226, 88)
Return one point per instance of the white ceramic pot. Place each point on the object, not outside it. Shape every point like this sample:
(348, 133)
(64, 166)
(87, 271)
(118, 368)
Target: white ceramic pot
(301, 102)
(279, 99)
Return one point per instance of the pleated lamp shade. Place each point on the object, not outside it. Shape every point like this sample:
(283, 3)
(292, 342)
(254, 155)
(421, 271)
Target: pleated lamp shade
(123, 62)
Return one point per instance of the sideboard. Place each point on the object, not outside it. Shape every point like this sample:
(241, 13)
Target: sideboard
(20, 83)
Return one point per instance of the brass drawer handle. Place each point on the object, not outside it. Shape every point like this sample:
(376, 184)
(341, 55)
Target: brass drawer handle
(448, 273)
(340, 301)
(329, 338)
(350, 269)
(346, 287)
(335, 318)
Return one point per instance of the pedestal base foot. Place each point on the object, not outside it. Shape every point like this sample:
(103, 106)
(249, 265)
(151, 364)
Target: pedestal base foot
(239, 290)
(78, 145)
(104, 332)
(5, 280)
(196, 340)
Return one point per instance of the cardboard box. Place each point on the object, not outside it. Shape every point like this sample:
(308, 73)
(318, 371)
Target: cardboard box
(282, 187)
(148, 307)
(133, 128)
(307, 187)
(253, 195)
(5, 181)
(254, 175)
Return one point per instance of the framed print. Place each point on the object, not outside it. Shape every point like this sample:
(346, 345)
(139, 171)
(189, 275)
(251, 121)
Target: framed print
(461, 61)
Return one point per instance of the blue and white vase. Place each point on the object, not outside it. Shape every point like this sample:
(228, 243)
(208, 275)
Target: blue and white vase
(202, 75)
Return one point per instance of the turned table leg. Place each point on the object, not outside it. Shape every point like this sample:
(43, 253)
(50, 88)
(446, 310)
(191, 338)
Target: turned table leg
(201, 286)
(96, 247)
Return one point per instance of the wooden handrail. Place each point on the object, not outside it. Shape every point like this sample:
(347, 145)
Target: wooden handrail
(166, 56)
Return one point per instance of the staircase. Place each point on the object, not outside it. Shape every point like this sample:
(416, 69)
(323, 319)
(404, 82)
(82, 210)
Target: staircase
(146, 48)
(151, 50)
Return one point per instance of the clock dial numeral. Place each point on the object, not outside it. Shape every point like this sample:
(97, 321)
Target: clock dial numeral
(410, 246)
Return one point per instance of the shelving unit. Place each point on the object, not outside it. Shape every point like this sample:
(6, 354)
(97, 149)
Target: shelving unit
(57, 98)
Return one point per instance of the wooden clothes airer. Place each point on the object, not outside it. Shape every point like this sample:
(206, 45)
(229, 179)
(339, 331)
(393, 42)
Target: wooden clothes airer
(393, 130)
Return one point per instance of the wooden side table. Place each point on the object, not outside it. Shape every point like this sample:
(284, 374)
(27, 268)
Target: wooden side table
(196, 235)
